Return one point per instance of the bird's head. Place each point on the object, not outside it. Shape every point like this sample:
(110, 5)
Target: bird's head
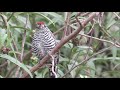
(40, 25)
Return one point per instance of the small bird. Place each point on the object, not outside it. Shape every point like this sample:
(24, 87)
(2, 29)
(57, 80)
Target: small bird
(42, 43)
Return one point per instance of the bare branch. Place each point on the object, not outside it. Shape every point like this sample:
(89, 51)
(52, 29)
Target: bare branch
(103, 40)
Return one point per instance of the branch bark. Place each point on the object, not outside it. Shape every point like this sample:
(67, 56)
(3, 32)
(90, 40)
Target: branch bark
(60, 44)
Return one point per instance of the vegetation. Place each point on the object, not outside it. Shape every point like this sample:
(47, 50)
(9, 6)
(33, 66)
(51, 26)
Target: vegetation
(89, 44)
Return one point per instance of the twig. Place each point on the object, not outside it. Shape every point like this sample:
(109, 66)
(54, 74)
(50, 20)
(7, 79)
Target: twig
(3, 65)
(75, 20)
(85, 61)
(4, 20)
(10, 16)
(60, 44)
(89, 44)
(82, 15)
(14, 44)
(58, 30)
(17, 72)
(91, 28)
(79, 52)
(90, 32)
(67, 19)
(75, 60)
(103, 40)
(9, 72)
(22, 51)
(78, 20)
(102, 30)
(116, 15)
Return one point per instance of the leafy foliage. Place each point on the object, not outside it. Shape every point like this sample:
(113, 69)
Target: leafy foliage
(102, 32)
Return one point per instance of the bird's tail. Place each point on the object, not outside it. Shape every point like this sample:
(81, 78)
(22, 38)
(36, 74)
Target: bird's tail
(51, 74)
(53, 70)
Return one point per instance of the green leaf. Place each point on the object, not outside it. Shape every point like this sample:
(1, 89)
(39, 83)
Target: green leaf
(45, 72)
(18, 13)
(1, 76)
(73, 72)
(21, 19)
(15, 61)
(92, 66)
(63, 59)
(114, 52)
(68, 45)
(60, 73)
(110, 24)
(3, 37)
(55, 15)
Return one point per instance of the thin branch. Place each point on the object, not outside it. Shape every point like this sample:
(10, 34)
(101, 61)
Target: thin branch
(75, 60)
(10, 16)
(116, 15)
(90, 32)
(81, 15)
(4, 19)
(78, 20)
(10, 71)
(27, 55)
(14, 44)
(4, 64)
(23, 41)
(62, 28)
(103, 40)
(60, 44)
(67, 20)
(79, 52)
(91, 28)
(85, 61)
(17, 72)
(59, 30)
(103, 30)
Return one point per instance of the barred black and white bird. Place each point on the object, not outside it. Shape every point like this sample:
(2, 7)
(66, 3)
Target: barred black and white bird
(43, 42)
